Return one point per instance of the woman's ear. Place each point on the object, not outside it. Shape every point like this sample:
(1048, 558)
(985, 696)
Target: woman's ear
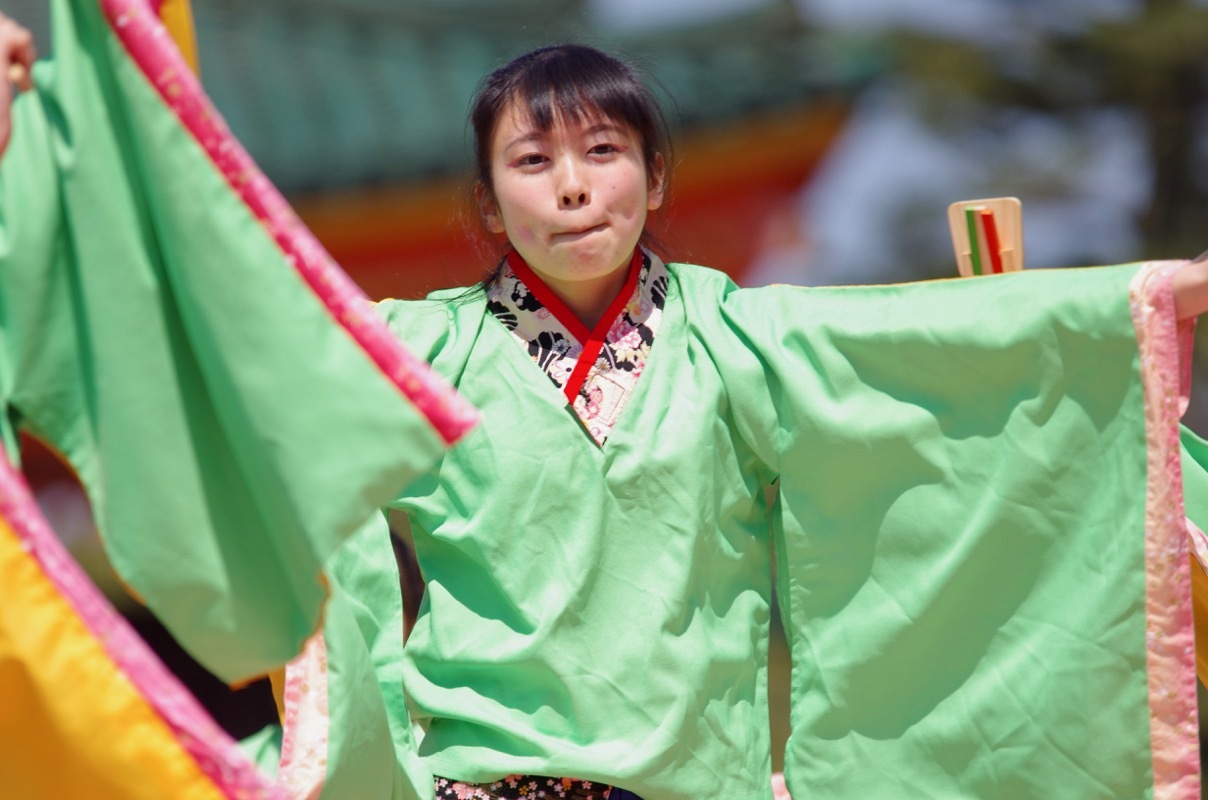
(488, 209)
(658, 183)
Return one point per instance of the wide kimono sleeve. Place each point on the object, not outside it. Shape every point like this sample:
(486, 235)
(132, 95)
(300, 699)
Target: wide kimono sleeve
(979, 533)
(228, 398)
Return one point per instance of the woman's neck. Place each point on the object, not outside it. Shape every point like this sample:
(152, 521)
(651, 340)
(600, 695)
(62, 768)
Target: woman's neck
(589, 299)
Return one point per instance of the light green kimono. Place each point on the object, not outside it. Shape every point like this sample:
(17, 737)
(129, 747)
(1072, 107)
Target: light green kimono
(960, 531)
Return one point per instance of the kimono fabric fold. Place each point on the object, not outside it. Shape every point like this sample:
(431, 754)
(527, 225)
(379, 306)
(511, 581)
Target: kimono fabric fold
(965, 544)
(1194, 464)
(233, 407)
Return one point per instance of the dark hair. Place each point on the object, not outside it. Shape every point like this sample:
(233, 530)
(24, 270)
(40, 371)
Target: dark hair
(571, 82)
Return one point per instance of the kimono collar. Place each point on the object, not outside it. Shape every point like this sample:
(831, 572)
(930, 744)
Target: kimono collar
(569, 320)
(597, 368)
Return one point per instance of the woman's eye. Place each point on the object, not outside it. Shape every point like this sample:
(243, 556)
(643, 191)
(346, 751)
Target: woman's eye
(603, 149)
(530, 160)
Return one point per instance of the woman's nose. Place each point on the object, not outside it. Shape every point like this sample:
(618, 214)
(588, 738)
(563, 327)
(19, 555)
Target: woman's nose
(574, 190)
(571, 200)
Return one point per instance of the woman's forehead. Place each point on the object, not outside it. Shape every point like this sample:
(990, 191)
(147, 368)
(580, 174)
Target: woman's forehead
(521, 118)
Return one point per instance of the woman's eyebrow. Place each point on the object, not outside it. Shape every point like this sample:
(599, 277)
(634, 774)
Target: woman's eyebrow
(604, 127)
(527, 138)
(536, 135)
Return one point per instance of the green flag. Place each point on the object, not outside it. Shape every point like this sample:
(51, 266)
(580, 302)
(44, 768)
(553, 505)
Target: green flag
(225, 394)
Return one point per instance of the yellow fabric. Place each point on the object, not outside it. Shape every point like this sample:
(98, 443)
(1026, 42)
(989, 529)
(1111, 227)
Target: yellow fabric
(71, 723)
(276, 679)
(1199, 607)
(178, 19)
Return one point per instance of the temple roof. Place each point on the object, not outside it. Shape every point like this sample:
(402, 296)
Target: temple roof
(330, 94)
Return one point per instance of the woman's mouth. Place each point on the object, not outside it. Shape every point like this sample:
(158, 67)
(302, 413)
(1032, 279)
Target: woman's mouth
(577, 233)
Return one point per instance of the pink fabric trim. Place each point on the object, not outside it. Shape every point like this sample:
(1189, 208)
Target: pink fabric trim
(142, 33)
(307, 722)
(214, 751)
(1170, 635)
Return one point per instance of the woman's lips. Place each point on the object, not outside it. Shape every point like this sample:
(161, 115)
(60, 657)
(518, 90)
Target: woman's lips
(577, 233)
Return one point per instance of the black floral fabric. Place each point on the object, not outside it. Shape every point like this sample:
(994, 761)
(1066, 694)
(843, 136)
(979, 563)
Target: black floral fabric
(522, 787)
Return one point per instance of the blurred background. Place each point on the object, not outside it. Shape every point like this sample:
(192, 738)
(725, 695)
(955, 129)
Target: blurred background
(817, 141)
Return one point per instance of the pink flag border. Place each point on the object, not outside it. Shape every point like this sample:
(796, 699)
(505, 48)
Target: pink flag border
(140, 30)
(1165, 352)
(215, 753)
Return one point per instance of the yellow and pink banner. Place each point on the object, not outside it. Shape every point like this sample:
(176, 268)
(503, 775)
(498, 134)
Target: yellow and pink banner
(86, 708)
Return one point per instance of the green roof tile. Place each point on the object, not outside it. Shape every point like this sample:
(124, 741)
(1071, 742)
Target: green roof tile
(338, 93)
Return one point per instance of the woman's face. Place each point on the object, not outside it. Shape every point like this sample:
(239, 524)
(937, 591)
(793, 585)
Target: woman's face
(572, 200)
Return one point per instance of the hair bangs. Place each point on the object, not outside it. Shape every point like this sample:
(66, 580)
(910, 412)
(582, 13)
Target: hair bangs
(569, 82)
(584, 89)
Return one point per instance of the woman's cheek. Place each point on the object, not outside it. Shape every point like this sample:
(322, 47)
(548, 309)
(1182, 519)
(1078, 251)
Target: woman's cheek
(523, 235)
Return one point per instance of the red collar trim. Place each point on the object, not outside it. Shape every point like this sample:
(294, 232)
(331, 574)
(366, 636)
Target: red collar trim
(562, 313)
(593, 340)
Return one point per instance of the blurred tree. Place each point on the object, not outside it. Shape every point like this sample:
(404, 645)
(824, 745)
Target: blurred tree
(1065, 64)
(1149, 61)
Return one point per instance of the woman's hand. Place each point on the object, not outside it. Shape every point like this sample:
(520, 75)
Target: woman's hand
(1191, 288)
(17, 56)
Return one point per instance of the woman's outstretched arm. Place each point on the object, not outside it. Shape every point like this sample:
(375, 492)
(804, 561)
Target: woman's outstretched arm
(17, 56)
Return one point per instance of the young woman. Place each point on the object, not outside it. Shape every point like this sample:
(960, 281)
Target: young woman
(597, 551)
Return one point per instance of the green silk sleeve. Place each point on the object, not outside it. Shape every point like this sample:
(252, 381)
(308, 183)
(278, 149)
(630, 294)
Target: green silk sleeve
(964, 545)
(346, 731)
